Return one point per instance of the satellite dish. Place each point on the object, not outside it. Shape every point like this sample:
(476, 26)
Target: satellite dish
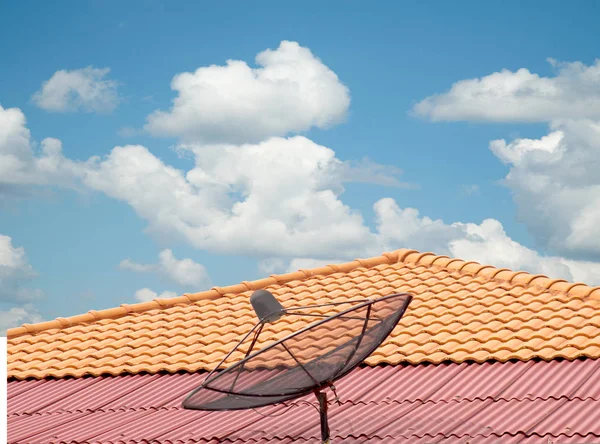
(307, 360)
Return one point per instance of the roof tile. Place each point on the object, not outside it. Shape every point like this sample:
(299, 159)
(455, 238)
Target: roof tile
(461, 311)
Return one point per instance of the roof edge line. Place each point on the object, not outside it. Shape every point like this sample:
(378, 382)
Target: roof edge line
(402, 255)
(575, 289)
(213, 293)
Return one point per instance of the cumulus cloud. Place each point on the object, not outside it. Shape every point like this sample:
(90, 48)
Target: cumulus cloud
(520, 96)
(555, 184)
(184, 272)
(281, 200)
(290, 92)
(22, 166)
(486, 243)
(146, 295)
(87, 89)
(128, 264)
(553, 179)
(277, 198)
(405, 228)
(15, 273)
(17, 316)
(584, 271)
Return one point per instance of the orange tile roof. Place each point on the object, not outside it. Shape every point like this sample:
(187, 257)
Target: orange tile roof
(461, 311)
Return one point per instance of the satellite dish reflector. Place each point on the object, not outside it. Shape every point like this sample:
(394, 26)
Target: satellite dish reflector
(337, 337)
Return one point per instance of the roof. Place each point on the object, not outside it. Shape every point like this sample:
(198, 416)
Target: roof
(556, 401)
(461, 311)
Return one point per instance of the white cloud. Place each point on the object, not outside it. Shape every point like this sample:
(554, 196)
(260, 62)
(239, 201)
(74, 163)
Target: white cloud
(281, 199)
(405, 228)
(290, 92)
(519, 151)
(21, 166)
(13, 258)
(584, 271)
(486, 243)
(184, 272)
(554, 179)
(128, 264)
(85, 89)
(278, 198)
(17, 316)
(146, 295)
(555, 184)
(14, 135)
(15, 273)
(521, 96)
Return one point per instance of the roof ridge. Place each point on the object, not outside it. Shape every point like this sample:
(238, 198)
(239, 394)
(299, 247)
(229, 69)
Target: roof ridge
(402, 255)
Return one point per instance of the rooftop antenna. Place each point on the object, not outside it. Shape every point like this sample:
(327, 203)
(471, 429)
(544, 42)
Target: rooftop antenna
(307, 360)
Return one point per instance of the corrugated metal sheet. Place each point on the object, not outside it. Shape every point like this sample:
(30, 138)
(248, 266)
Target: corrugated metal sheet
(526, 402)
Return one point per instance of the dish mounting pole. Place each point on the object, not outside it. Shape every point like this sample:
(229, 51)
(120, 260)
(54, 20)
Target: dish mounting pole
(322, 398)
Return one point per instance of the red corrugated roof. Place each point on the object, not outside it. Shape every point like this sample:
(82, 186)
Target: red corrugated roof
(556, 401)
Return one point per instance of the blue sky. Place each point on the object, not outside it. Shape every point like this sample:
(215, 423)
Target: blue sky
(68, 231)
